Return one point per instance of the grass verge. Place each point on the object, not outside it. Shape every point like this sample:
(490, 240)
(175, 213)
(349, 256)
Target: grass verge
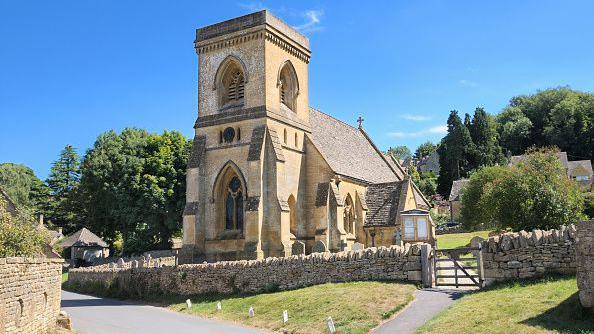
(457, 240)
(547, 305)
(355, 307)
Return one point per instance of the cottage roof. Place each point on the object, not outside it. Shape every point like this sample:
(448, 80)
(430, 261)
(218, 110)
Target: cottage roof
(516, 159)
(382, 202)
(83, 238)
(573, 165)
(457, 189)
(349, 151)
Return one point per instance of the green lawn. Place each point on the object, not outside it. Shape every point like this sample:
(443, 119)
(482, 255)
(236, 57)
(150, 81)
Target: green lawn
(457, 240)
(548, 305)
(64, 277)
(355, 307)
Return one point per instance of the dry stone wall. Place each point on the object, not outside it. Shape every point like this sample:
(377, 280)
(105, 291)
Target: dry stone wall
(394, 263)
(585, 262)
(529, 254)
(29, 294)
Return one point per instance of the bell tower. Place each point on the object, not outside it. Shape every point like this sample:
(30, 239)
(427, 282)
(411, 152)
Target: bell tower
(244, 173)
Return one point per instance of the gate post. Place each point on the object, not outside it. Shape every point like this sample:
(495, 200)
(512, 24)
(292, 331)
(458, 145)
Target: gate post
(426, 266)
(479, 265)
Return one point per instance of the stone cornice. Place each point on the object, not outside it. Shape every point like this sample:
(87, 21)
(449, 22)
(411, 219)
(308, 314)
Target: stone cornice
(282, 43)
(245, 114)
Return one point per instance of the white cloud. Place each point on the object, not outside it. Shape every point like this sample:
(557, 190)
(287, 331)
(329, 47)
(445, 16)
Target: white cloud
(439, 129)
(313, 21)
(468, 83)
(415, 118)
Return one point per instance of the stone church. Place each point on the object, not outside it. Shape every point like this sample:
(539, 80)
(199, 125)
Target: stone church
(270, 176)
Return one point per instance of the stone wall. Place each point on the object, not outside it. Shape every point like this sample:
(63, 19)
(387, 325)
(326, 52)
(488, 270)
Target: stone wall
(529, 254)
(585, 262)
(394, 263)
(29, 294)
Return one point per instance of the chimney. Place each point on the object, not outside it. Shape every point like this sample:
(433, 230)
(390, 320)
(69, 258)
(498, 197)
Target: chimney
(40, 220)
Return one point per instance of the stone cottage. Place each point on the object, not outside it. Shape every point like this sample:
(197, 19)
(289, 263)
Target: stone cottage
(269, 175)
(85, 247)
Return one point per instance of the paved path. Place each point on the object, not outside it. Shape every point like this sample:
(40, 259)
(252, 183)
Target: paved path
(427, 304)
(91, 315)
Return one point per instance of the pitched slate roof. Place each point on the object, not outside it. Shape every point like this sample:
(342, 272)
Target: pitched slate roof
(83, 238)
(382, 203)
(348, 150)
(516, 159)
(457, 190)
(573, 165)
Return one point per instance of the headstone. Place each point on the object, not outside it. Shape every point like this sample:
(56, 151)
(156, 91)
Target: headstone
(285, 316)
(319, 247)
(219, 306)
(251, 312)
(298, 248)
(331, 327)
(135, 264)
(189, 303)
(357, 246)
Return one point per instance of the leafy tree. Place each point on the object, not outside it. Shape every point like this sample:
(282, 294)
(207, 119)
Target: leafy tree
(428, 184)
(514, 130)
(534, 194)
(401, 153)
(479, 204)
(27, 191)
(424, 150)
(63, 181)
(589, 204)
(133, 187)
(486, 149)
(453, 150)
(18, 237)
(554, 117)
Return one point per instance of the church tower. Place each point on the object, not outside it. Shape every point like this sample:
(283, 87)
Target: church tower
(244, 185)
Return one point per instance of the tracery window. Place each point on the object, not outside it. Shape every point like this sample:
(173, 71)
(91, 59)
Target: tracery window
(234, 205)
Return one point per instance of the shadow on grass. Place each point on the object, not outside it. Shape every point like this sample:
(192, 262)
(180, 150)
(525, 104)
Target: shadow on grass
(567, 317)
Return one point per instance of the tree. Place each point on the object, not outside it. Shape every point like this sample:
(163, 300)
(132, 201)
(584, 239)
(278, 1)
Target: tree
(554, 117)
(424, 150)
(27, 191)
(535, 194)
(486, 149)
(18, 237)
(401, 153)
(63, 181)
(133, 187)
(453, 150)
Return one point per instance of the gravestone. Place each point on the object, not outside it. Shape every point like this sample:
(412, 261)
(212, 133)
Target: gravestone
(319, 247)
(134, 264)
(297, 248)
(357, 246)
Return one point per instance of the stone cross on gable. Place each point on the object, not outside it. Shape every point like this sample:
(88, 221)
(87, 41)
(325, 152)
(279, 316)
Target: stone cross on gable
(360, 121)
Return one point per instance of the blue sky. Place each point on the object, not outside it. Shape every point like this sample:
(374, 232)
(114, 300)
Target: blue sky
(70, 70)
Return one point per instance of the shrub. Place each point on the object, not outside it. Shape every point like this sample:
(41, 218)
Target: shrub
(18, 236)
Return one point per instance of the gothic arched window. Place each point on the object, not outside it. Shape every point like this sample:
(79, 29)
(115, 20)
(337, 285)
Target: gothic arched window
(288, 86)
(230, 83)
(234, 205)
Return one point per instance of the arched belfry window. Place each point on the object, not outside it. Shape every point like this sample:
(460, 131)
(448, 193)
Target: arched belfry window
(230, 83)
(234, 205)
(288, 86)
(349, 215)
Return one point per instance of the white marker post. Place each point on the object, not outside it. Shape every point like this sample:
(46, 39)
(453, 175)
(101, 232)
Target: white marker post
(219, 307)
(188, 304)
(331, 327)
(251, 312)
(285, 316)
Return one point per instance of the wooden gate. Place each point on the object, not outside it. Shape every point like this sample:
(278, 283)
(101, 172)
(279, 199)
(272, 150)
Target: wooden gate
(457, 267)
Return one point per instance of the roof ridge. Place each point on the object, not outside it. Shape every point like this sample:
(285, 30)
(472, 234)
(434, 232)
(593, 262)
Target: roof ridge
(334, 118)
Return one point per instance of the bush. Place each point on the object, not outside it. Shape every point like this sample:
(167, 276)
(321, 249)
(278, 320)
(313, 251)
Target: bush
(589, 205)
(18, 237)
(535, 194)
